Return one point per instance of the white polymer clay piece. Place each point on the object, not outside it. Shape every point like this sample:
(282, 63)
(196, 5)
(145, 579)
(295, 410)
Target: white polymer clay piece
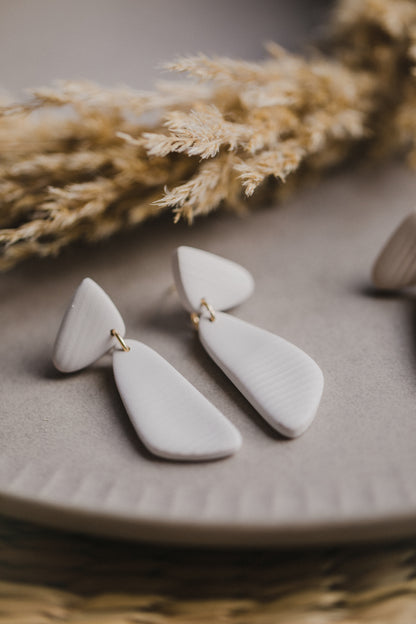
(84, 334)
(395, 266)
(171, 417)
(281, 381)
(224, 283)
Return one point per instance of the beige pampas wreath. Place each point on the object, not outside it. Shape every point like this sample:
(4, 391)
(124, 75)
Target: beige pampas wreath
(96, 167)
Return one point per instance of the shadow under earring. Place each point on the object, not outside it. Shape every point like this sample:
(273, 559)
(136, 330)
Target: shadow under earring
(280, 380)
(171, 417)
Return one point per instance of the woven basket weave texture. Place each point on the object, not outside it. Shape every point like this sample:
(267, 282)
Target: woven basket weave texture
(49, 576)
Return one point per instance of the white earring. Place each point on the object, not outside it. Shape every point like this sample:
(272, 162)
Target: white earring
(281, 381)
(395, 266)
(171, 417)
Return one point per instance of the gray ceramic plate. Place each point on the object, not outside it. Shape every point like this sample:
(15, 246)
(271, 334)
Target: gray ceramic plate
(70, 458)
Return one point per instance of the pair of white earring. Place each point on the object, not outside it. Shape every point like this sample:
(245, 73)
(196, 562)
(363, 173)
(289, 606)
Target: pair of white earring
(171, 417)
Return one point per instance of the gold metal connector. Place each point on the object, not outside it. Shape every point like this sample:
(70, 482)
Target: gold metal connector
(208, 306)
(195, 316)
(195, 320)
(120, 338)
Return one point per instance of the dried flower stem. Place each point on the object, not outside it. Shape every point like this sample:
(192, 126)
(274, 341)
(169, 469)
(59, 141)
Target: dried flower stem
(82, 162)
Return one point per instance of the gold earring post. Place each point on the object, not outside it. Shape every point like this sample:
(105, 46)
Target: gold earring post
(195, 320)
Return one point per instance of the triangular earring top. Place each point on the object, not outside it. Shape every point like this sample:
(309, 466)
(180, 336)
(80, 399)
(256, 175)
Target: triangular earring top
(84, 335)
(202, 275)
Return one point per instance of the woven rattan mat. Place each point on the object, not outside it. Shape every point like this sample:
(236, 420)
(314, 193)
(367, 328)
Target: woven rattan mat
(50, 576)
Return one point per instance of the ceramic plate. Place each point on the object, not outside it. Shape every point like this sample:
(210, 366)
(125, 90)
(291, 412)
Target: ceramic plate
(70, 457)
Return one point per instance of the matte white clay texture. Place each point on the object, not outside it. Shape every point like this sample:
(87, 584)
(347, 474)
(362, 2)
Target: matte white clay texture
(202, 275)
(171, 417)
(395, 266)
(280, 380)
(84, 334)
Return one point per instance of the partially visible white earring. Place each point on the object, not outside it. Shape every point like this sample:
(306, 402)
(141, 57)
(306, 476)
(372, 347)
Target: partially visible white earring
(171, 417)
(280, 380)
(395, 266)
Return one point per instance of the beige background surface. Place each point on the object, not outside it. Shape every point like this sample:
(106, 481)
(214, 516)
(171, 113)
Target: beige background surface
(67, 442)
(125, 41)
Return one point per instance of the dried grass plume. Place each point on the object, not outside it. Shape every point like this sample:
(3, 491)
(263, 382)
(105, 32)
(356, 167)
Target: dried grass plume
(81, 162)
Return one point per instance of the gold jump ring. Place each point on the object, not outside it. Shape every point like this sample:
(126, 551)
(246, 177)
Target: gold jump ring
(124, 346)
(195, 316)
(208, 306)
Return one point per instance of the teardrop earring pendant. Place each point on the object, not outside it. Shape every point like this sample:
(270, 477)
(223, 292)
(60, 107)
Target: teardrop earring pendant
(280, 380)
(171, 417)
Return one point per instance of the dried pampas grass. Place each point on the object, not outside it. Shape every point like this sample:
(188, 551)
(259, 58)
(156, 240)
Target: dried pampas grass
(82, 162)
